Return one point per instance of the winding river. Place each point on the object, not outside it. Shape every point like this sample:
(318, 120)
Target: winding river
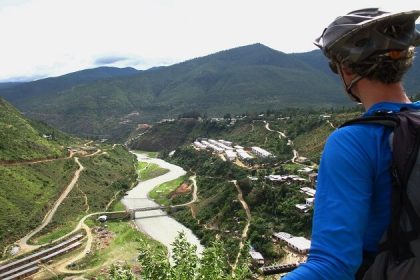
(157, 223)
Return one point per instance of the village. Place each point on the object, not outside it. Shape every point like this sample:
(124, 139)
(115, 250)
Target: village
(297, 247)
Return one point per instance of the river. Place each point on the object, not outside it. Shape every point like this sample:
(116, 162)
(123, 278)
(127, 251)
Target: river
(157, 223)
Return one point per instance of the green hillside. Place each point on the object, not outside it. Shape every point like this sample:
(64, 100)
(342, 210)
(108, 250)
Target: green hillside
(254, 78)
(35, 170)
(250, 78)
(19, 140)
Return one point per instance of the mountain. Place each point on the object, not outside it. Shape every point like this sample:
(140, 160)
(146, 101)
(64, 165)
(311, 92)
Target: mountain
(251, 78)
(21, 140)
(23, 93)
(9, 84)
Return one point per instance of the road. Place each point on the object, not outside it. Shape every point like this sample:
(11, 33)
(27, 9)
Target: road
(289, 142)
(23, 243)
(248, 221)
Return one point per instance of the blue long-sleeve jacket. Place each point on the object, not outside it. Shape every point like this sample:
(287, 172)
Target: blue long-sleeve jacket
(353, 198)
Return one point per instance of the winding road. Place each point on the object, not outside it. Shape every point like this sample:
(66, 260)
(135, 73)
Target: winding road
(23, 243)
(248, 221)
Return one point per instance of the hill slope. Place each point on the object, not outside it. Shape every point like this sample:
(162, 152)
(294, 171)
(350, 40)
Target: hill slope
(250, 78)
(19, 140)
(26, 93)
(36, 169)
(246, 79)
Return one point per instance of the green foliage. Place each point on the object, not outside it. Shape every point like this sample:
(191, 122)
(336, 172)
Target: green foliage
(106, 178)
(161, 193)
(118, 272)
(27, 192)
(19, 140)
(186, 264)
(250, 78)
(148, 171)
(123, 247)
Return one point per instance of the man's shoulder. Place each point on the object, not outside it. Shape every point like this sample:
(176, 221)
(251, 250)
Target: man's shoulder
(361, 137)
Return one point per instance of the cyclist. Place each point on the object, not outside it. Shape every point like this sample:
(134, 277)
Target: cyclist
(370, 50)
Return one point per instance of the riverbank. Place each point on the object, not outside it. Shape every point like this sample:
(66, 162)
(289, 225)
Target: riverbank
(156, 223)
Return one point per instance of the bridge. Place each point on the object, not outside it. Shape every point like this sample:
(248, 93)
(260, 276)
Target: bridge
(142, 209)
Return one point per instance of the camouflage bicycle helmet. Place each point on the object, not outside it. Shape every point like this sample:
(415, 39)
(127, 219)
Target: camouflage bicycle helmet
(368, 36)
(362, 34)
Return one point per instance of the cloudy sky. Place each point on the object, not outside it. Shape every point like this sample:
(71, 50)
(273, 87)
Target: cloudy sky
(41, 38)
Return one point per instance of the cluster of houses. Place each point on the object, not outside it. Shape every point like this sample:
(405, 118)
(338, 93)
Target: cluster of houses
(284, 178)
(309, 201)
(230, 151)
(297, 244)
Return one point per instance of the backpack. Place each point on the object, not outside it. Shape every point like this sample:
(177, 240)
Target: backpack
(399, 248)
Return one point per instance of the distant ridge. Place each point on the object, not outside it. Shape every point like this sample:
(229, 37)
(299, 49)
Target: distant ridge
(39, 88)
(250, 78)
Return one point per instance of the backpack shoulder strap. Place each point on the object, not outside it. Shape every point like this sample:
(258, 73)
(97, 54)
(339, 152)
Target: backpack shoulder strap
(388, 120)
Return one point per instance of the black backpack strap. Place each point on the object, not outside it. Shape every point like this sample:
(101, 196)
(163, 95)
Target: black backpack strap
(385, 119)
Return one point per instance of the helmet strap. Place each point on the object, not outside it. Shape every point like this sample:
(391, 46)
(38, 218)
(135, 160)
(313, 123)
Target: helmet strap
(354, 81)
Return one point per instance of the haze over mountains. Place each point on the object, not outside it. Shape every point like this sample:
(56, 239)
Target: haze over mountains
(110, 101)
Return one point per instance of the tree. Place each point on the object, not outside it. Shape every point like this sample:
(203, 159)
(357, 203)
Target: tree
(186, 264)
(119, 272)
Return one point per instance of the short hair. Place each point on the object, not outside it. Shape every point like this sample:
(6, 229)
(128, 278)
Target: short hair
(387, 71)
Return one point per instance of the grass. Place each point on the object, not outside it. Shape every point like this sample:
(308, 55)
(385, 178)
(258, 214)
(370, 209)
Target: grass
(148, 171)
(160, 194)
(291, 168)
(119, 206)
(103, 176)
(19, 140)
(27, 192)
(149, 154)
(123, 247)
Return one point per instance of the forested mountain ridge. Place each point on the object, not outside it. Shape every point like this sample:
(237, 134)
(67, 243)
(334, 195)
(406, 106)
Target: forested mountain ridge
(24, 93)
(245, 79)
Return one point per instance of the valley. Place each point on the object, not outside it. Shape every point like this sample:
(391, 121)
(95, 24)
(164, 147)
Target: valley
(233, 202)
(212, 161)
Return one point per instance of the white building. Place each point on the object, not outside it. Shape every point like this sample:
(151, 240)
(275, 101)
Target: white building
(227, 143)
(205, 143)
(310, 201)
(230, 155)
(243, 155)
(215, 148)
(256, 257)
(261, 152)
(102, 218)
(238, 147)
(299, 244)
(212, 141)
(306, 170)
(308, 191)
(199, 145)
(281, 178)
(302, 207)
(224, 147)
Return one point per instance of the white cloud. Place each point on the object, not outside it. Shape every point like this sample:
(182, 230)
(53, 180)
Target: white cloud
(53, 37)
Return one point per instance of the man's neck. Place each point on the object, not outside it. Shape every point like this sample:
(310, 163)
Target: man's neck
(372, 92)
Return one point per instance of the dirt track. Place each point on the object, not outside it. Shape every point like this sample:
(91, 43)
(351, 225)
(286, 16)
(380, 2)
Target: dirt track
(24, 247)
(248, 221)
